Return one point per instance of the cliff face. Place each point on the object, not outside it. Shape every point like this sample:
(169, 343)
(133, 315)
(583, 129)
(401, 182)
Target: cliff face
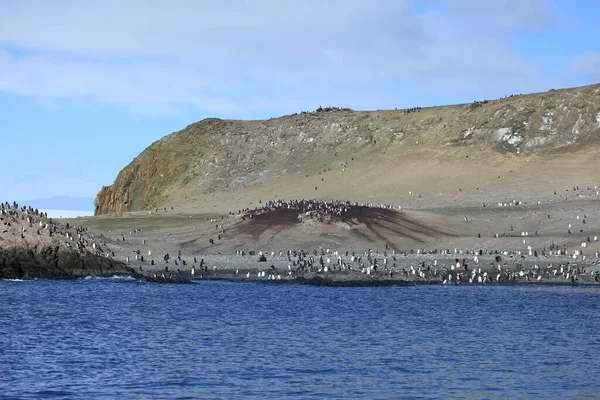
(222, 155)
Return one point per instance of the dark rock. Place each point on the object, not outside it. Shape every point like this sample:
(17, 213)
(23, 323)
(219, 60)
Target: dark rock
(322, 281)
(52, 262)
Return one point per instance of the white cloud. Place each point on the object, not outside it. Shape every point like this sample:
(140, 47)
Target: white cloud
(236, 57)
(503, 16)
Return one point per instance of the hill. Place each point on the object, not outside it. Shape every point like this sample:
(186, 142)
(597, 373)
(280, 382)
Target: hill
(517, 146)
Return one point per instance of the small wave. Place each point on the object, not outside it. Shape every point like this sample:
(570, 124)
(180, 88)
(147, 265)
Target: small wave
(111, 278)
(310, 370)
(15, 280)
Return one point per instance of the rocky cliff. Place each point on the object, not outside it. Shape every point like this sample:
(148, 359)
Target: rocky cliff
(35, 247)
(223, 155)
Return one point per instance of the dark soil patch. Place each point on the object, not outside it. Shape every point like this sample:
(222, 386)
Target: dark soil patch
(367, 222)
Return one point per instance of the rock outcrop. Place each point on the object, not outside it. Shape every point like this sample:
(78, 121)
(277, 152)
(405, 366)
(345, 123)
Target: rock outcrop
(223, 155)
(33, 246)
(47, 262)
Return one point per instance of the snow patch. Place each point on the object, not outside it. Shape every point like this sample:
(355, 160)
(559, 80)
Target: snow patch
(503, 112)
(502, 134)
(302, 138)
(598, 120)
(578, 125)
(536, 141)
(468, 132)
(547, 121)
(334, 127)
(505, 135)
(514, 140)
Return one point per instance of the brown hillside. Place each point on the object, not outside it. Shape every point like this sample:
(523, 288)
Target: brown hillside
(375, 156)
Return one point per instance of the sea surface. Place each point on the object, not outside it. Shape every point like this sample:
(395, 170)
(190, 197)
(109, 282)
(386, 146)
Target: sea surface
(122, 339)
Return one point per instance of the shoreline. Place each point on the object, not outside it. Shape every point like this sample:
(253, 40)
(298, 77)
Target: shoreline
(320, 281)
(353, 278)
(362, 246)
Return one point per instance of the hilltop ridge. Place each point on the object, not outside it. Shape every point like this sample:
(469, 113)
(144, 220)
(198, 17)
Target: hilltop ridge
(359, 155)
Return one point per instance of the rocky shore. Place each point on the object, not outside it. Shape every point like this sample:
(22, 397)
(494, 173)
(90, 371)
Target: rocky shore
(415, 269)
(347, 244)
(340, 245)
(46, 262)
(33, 246)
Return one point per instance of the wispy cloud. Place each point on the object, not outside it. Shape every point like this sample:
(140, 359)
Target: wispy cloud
(486, 18)
(235, 57)
(586, 66)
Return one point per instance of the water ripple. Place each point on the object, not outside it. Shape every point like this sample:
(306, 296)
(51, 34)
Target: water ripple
(128, 339)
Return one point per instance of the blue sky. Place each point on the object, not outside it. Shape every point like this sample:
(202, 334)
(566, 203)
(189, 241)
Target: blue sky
(86, 86)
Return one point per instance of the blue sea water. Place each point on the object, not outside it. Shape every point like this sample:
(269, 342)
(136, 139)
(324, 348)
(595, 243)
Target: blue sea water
(106, 339)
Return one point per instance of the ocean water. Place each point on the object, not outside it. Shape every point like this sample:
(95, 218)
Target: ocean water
(107, 339)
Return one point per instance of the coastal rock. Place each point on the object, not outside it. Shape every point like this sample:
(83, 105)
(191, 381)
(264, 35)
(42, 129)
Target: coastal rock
(350, 280)
(48, 262)
(33, 246)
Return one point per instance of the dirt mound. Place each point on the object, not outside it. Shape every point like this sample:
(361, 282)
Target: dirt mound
(360, 223)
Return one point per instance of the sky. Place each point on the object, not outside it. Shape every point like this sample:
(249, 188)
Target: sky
(85, 86)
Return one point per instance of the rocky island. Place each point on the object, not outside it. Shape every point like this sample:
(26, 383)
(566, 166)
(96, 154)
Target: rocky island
(497, 191)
